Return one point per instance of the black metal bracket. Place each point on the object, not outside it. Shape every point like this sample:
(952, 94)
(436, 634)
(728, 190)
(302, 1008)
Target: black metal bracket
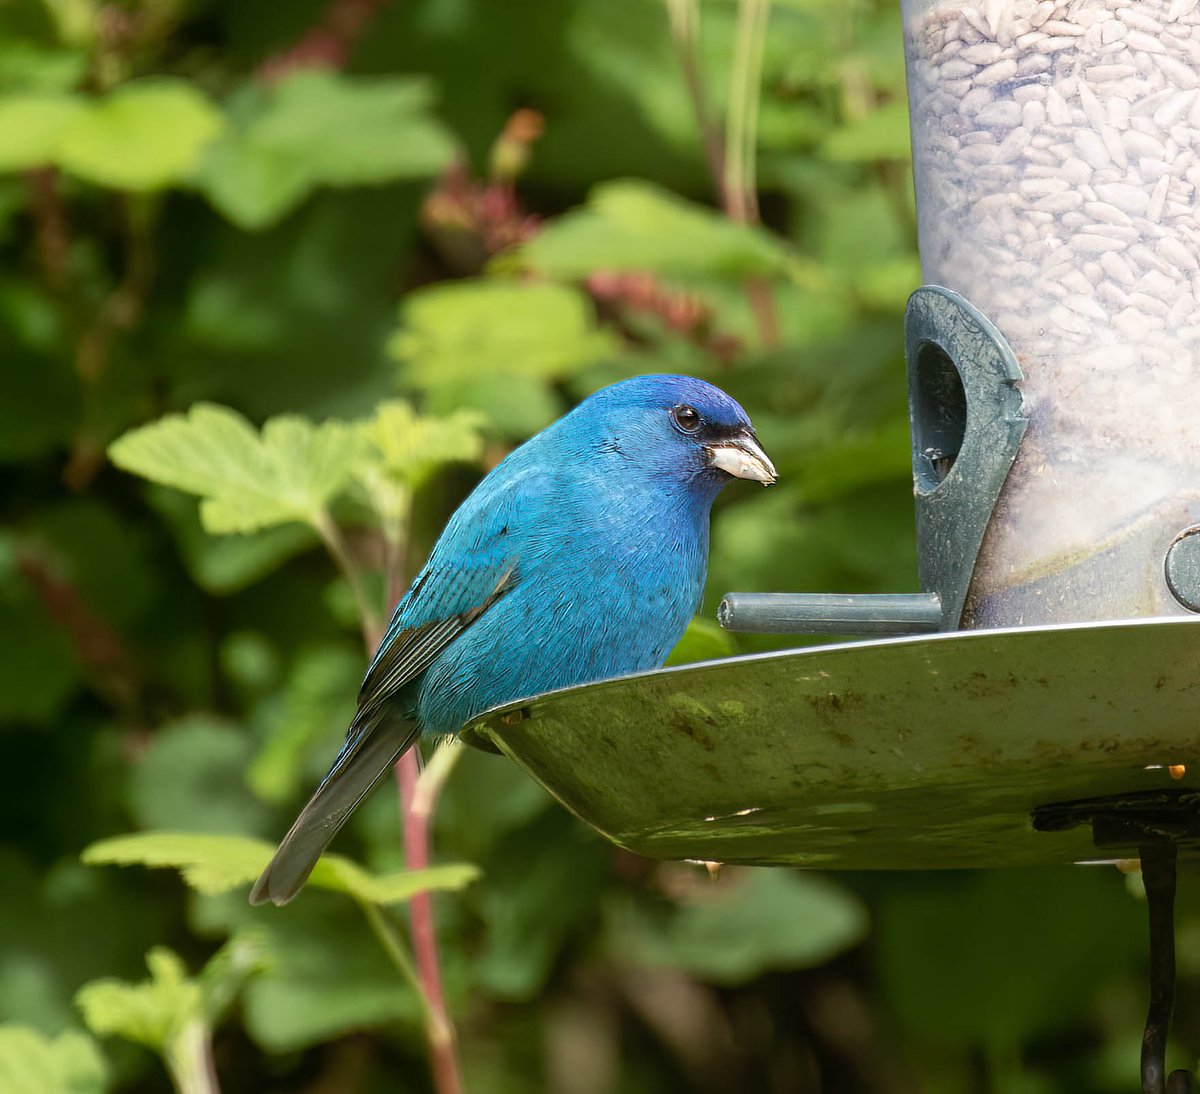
(1155, 824)
(967, 424)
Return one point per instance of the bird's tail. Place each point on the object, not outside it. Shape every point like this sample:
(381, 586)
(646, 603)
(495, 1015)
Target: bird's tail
(375, 741)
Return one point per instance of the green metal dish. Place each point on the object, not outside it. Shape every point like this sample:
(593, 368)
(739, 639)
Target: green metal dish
(904, 753)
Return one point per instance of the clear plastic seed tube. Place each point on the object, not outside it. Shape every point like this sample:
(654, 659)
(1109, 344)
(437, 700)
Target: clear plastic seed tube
(1056, 149)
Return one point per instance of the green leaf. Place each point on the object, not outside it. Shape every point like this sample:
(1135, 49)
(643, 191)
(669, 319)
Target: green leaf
(208, 863)
(144, 136)
(342, 875)
(544, 883)
(248, 480)
(462, 329)
(752, 921)
(215, 864)
(31, 126)
(412, 446)
(227, 564)
(315, 708)
(193, 777)
(634, 225)
(1036, 973)
(29, 67)
(155, 1012)
(151, 1013)
(319, 128)
(404, 450)
(516, 406)
(32, 1063)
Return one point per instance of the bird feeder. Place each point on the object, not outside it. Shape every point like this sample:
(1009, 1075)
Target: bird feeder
(1039, 704)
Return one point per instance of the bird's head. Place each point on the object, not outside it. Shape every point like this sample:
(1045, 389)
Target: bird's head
(679, 427)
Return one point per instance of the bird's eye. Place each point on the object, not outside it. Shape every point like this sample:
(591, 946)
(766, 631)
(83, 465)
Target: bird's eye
(687, 418)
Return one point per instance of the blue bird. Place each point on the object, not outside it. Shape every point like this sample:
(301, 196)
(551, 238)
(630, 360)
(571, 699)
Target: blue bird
(580, 556)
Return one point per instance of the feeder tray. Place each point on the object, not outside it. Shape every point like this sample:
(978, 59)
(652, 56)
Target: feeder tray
(910, 753)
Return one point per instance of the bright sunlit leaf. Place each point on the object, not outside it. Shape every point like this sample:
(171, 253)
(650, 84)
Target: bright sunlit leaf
(216, 864)
(145, 135)
(32, 1063)
(635, 225)
(247, 479)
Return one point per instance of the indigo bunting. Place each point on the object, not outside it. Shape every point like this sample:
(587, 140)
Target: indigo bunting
(580, 556)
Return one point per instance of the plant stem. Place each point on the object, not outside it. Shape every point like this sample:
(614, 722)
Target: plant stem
(443, 1055)
(415, 812)
(741, 118)
(443, 761)
(393, 946)
(188, 1058)
(731, 162)
(426, 978)
(327, 44)
(335, 543)
(740, 187)
(684, 17)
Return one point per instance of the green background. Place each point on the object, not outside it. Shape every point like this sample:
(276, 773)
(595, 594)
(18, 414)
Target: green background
(191, 210)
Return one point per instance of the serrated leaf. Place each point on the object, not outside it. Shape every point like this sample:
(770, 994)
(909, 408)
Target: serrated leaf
(319, 128)
(467, 328)
(758, 919)
(247, 480)
(412, 446)
(32, 1063)
(633, 225)
(342, 875)
(151, 1012)
(208, 863)
(404, 449)
(216, 864)
(31, 126)
(143, 136)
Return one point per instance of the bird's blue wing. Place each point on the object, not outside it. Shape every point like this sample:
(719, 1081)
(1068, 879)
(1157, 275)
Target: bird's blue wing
(473, 564)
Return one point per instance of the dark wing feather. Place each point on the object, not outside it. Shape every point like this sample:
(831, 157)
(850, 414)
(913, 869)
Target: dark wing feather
(406, 652)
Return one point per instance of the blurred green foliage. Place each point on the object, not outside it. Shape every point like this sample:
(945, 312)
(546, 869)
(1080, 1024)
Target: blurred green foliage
(314, 264)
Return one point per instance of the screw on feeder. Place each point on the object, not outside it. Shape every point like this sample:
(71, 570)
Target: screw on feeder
(1182, 568)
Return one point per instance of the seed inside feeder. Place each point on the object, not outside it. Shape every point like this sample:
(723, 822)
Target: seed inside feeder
(1055, 149)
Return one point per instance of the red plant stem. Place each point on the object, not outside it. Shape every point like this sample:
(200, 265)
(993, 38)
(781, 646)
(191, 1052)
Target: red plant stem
(328, 43)
(443, 1059)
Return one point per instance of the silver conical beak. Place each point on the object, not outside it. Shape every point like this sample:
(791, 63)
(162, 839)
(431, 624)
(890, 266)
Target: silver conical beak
(742, 457)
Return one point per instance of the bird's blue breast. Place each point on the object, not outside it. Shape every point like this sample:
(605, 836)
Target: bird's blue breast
(605, 587)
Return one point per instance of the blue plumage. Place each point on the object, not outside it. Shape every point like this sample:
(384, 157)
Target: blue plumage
(581, 556)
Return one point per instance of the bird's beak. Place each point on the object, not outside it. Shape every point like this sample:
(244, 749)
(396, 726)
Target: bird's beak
(743, 457)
